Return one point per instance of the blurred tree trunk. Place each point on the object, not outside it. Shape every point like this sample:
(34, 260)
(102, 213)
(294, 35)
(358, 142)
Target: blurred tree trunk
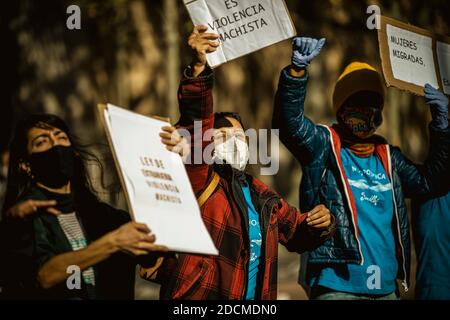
(121, 78)
(172, 61)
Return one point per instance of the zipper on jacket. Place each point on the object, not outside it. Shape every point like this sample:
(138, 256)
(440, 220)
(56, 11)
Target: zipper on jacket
(404, 281)
(263, 246)
(244, 288)
(261, 271)
(347, 196)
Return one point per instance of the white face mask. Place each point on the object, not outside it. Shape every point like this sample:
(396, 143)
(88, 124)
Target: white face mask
(234, 152)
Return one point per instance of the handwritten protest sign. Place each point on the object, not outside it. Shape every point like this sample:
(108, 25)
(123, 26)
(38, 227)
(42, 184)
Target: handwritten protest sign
(244, 26)
(443, 54)
(156, 184)
(412, 57)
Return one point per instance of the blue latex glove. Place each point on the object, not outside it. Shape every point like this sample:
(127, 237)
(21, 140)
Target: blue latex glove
(438, 103)
(304, 50)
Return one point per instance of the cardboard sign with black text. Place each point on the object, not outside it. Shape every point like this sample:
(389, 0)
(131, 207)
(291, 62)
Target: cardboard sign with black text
(155, 181)
(412, 57)
(244, 26)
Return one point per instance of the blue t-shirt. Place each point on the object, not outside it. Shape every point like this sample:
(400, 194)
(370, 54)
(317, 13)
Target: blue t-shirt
(372, 191)
(255, 243)
(432, 234)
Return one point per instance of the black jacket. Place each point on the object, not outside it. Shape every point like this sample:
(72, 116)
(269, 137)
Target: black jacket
(27, 244)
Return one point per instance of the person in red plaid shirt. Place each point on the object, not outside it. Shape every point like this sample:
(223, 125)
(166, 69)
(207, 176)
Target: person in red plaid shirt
(244, 217)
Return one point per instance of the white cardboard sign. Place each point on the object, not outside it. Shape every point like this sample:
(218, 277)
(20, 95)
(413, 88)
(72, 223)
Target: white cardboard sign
(156, 183)
(443, 54)
(411, 56)
(244, 26)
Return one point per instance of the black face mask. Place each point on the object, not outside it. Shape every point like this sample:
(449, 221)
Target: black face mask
(53, 168)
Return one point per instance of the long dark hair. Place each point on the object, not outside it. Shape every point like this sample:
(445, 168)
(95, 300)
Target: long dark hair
(19, 182)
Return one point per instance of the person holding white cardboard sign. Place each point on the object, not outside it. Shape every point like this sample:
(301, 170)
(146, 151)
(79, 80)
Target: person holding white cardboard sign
(58, 241)
(359, 176)
(246, 219)
(243, 26)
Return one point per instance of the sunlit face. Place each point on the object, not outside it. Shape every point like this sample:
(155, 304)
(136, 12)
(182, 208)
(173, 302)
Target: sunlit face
(223, 134)
(40, 139)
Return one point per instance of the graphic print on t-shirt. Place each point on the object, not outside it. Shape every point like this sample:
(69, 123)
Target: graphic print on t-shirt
(370, 185)
(372, 191)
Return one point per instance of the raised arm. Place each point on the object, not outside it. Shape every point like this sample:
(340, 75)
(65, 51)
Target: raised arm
(196, 104)
(300, 135)
(431, 177)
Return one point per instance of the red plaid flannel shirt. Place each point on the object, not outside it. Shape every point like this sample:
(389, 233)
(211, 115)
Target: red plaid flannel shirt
(225, 276)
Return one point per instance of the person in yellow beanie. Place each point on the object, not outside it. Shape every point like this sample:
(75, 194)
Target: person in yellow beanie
(361, 178)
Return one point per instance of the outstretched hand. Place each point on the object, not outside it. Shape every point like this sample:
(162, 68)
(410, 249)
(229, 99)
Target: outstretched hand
(30, 207)
(438, 103)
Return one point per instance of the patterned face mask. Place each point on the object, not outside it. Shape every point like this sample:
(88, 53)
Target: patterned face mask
(361, 121)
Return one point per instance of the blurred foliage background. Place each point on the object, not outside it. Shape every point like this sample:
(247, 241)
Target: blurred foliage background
(131, 53)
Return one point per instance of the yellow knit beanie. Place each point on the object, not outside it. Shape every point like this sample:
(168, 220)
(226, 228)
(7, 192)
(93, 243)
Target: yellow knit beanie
(357, 76)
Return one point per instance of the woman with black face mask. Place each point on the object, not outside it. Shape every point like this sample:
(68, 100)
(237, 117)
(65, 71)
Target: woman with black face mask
(57, 239)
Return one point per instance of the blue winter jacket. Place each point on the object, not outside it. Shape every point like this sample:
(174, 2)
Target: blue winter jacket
(430, 220)
(317, 148)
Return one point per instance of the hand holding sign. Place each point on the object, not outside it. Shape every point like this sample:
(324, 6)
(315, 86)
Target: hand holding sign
(202, 42)
(243, 26)
(412, 57)
(157, 187)
(304, 50)
(438, 106)
(175, 142)
(135, 239)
